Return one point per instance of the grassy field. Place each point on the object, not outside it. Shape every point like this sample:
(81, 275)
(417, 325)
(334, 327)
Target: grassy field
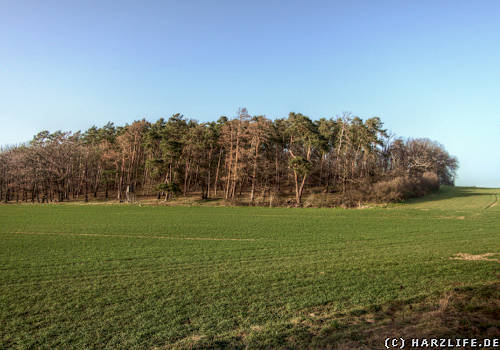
(129, 276)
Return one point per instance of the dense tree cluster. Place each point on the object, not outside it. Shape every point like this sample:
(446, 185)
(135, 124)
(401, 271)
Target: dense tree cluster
(243, 157)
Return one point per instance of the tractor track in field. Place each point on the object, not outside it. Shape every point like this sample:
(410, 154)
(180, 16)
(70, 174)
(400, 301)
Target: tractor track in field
(494, 203)
(136, 236)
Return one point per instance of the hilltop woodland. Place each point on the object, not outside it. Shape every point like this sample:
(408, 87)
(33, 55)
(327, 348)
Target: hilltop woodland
(247, 159)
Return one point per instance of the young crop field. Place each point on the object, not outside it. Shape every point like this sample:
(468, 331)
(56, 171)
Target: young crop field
(130, 276)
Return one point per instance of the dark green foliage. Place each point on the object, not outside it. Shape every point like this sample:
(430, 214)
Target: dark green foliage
(170, 189)
(300, 165)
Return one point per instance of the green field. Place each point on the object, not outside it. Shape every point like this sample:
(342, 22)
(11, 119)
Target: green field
(129, 276)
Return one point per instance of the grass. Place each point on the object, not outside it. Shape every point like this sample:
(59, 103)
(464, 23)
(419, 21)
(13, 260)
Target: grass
(129, 276)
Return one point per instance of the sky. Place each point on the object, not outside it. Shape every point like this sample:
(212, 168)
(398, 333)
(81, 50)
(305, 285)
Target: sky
(426, 68)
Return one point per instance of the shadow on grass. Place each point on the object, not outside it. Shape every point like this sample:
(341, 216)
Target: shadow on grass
(470, 312)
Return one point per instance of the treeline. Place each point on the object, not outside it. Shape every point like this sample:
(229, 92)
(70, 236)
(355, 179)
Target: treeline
(249, 157)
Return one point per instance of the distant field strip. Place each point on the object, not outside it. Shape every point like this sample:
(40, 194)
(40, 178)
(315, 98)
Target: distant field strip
(460, 198)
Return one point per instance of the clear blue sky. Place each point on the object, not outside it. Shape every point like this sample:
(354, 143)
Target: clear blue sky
(427, 68)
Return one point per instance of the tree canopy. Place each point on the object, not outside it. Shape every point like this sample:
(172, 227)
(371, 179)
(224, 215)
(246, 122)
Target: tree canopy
(229, 158)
